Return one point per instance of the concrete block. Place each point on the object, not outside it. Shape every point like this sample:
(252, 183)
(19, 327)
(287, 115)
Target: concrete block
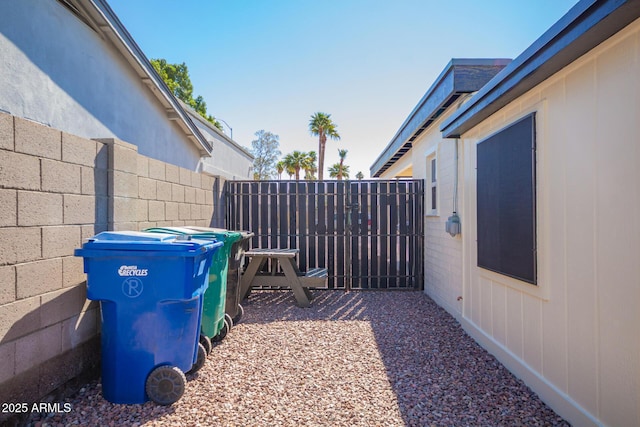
(179, 223)
(80, 328)
(164, 190)
(38, 277)
(164, 224)
(206, 182)
(195, 211)
(92, 229)
(102, 210)
(156, 169)
(60, 241)
(38, 347)
(147, 188)
(172, 174)
(196, 179)
(200, 196)
(156, 210)
(102, 155)
(61, 305)
(123, 226)
(19, 318)
(6, 132)
(79, 209)
(20, 244)
(122, 209)
(189, 195)
(142, 210)
(208, 198)
(73, 271)
(19, 171)
(7, 285)
(101, 182)
(177, 193)
(60, 177)
(94, 181)
(143, 166)
(8, 208)
(184, 211)
(146, 224)
(38, 140)
(122, 155)
(185, 176)
(171, 211)
(78, 150)
(123, 184)
(36, 208)
(8, 357)
(206, 213)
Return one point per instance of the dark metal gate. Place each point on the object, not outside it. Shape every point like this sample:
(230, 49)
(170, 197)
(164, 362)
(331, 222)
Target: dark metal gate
(368, 234)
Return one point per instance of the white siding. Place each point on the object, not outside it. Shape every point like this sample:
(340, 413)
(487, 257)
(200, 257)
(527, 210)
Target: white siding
(574, 337)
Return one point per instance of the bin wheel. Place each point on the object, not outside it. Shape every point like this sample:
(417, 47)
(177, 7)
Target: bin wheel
(165, 384)
(229, 320)
(206, 343)
(202, 357)
(236, 319)
(224, 331)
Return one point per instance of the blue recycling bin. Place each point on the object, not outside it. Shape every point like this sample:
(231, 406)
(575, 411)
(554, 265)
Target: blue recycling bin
(150, 288)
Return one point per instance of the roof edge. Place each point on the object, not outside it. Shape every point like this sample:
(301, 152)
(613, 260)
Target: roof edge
(109, 26)
(583, 27)
(438, 97)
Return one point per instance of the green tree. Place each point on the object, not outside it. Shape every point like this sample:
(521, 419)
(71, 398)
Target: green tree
(266, 150)
(340, 170)
(177, 79)
(311, 167)
(297, 160)
(360, 175)
(280, 168)
(321, 126)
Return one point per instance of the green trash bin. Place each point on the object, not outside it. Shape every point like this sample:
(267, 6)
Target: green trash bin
(238, 248)
(215, 322)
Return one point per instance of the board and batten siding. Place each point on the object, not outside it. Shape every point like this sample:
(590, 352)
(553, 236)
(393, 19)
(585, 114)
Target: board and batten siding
(573, 338)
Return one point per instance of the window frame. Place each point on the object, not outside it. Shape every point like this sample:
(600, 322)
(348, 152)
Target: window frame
(432, 183)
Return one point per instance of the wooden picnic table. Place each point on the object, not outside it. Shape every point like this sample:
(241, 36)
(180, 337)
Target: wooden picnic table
(292, 278)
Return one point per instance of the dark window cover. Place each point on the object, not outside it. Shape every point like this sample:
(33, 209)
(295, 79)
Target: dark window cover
(506, 201)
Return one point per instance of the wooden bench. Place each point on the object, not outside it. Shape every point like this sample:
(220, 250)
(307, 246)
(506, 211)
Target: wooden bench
(314, 278)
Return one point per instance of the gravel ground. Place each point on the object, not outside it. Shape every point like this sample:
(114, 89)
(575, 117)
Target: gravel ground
(352, 359)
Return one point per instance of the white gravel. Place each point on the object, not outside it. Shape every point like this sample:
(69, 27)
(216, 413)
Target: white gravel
(351, 359)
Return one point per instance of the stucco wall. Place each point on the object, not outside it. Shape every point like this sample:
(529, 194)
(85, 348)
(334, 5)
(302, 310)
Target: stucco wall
(56, 190)
(442, 252)
(57, 71)
(574, 337)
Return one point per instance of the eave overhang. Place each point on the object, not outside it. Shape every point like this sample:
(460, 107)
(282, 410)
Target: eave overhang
(460, 76)
(586, 25)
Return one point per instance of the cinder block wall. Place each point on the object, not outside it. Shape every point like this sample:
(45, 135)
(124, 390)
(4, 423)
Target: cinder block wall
(56, 190)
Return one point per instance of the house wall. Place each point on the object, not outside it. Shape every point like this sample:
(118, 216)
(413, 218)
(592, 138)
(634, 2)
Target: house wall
(442, 252)
(57, 71)
(573, 338)
(56, 190)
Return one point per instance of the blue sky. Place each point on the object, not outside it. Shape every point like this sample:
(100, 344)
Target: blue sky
(271, 64)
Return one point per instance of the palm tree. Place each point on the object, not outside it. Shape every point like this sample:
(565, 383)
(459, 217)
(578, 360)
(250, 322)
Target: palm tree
(360, 175)
(321, 126)
(310, 166)
(296, 160)
(339, 171)
(280, 168)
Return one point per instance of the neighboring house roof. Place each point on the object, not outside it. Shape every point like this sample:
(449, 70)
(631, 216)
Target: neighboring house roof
(214, 131)
(99, 16)
(586, 25)
(460, 76)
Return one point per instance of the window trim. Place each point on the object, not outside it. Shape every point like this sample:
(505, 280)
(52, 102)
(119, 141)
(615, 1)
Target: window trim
(431, 156)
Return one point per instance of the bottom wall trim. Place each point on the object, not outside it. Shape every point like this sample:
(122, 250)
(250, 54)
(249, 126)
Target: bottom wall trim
(548, 392)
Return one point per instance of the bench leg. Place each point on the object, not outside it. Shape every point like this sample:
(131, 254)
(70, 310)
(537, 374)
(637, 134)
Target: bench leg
(301, 294)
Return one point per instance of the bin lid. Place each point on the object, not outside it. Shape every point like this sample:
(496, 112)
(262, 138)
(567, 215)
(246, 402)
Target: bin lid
(141, 241)
(205, 232)
(239, 233)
